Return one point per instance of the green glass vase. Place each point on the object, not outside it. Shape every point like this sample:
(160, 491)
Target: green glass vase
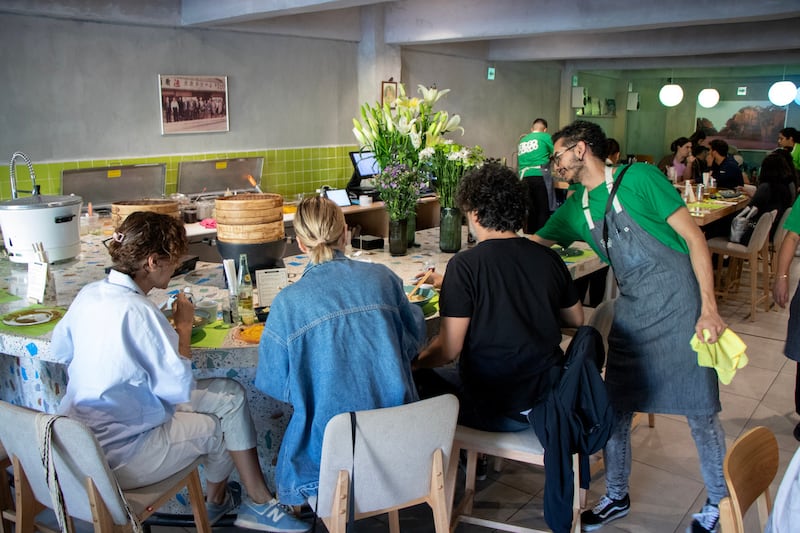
(450, 229)
(398, 237)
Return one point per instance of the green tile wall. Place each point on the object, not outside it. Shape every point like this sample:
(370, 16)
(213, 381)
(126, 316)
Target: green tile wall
(286, 171)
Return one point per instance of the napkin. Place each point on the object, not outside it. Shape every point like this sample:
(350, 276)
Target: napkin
(34, 330)
(725, 356)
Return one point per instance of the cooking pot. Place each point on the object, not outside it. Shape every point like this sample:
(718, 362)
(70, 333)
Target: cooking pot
(52, 220)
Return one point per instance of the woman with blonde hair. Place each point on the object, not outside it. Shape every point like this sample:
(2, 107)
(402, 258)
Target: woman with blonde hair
(339, 339)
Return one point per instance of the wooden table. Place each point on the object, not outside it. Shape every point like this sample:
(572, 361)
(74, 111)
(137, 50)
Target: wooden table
(709, 211)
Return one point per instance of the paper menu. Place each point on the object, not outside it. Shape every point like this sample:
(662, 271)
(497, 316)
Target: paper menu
(269, 283)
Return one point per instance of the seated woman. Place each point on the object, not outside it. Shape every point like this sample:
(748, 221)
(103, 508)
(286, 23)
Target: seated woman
(131, 382)
(681, 159)
(339, 339)
(774, 190)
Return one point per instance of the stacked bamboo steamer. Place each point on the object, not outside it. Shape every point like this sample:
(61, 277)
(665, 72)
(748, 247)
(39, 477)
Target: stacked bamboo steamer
(121, 210)
(250, 218)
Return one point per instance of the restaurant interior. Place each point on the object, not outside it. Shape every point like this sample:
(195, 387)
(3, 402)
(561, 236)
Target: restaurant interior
(82, 81)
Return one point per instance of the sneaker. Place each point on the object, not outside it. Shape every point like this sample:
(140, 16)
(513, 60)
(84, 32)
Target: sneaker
(797, 432)
(481, 468)
(270, 516)
(604, 512)
(233, 497)
(705, 521)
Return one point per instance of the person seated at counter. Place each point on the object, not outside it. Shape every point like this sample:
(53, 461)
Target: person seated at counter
(341, 338)
(724, 167)
(130, 380)
(502, 305)
(681, 160)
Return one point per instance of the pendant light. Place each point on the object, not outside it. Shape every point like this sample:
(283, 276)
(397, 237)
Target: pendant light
(708, 98)
(670, 94)
(782, 92)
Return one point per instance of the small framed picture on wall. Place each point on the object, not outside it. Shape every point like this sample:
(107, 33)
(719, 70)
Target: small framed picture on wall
(389, 93)
(193, 104)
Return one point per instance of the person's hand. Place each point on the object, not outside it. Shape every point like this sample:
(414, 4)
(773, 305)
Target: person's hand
(182, 312)
(434, 279)
(780, 291)
(713, 323)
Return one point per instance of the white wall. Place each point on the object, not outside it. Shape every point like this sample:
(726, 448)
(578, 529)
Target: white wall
(84, 90)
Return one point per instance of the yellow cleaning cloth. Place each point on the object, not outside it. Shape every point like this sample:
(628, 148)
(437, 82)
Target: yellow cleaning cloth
(725, 356)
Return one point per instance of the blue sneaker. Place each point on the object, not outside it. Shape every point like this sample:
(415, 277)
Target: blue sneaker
(270, 516)
(233, 497)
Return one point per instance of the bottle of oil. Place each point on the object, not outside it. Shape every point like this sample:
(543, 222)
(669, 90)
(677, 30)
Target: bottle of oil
(245, 292)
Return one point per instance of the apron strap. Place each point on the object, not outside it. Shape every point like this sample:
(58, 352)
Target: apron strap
(612, 199)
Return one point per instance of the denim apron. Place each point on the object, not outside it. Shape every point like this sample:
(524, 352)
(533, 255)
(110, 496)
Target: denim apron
(651, 367)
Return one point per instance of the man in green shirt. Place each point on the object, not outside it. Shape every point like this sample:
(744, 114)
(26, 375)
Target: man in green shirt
(533, 158)
(638, 223)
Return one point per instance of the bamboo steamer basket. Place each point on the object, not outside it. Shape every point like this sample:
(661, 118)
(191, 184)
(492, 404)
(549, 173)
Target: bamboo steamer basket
(250, 218)
(121, 210)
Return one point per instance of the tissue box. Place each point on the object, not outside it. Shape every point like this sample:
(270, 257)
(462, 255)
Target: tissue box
(367, 242)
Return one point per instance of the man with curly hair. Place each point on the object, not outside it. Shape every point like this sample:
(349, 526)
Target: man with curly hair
(499, 321)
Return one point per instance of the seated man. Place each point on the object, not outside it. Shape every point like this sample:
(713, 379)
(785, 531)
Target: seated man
(724, 167)
(339, 339)
(502, 306)
(131, 381)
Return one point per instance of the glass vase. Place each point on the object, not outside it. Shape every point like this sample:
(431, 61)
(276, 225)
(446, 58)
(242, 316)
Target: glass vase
(412, 229)
(398, 237)
(450, 229)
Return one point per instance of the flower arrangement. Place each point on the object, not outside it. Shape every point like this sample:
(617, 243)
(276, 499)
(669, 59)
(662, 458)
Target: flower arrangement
(447, 162)
(399, 186)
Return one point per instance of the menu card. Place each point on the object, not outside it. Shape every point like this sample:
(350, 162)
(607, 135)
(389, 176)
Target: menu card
(37, 281)
(270, 282)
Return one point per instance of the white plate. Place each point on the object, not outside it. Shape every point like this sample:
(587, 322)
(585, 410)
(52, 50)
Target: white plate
(29, 318)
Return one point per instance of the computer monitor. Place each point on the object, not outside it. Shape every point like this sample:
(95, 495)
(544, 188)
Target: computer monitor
(365, 166)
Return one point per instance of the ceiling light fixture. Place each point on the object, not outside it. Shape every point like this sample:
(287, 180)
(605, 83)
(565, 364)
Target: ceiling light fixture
(671, 94)
(708, 98)
(782, 92)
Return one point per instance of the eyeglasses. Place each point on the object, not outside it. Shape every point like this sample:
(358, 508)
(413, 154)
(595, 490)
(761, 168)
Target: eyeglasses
(555, 158)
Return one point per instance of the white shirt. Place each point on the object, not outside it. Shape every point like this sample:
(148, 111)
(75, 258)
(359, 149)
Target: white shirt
(125, 374)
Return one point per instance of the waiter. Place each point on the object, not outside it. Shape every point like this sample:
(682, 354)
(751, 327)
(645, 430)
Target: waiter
(533, 159)
(635, 219)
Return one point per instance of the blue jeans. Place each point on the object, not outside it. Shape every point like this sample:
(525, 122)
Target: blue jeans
(708, 437)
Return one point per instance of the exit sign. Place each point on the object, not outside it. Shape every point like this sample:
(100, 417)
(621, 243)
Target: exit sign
(490, 73)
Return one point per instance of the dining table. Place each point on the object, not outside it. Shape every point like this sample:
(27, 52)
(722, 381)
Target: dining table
(710, 210)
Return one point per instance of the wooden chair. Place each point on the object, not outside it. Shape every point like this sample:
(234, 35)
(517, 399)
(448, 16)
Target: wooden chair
(89, 488)
(522, 446)
(645, 158)
(6, 502)
(755, 253)
(399, 461)
(750, 466)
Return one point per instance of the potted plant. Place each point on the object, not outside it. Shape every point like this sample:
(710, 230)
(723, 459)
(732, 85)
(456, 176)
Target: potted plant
(398, 186)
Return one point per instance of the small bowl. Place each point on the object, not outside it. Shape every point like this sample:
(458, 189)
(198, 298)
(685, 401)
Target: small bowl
(424, 294)
(207, 305)
(201, 317)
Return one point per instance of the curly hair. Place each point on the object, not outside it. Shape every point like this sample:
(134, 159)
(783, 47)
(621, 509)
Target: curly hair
(497, 196)
(588, 132)
(319, 224)
(144, 233)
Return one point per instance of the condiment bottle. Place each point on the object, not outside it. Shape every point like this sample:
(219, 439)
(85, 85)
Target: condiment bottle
(245, 292)
(187, 291)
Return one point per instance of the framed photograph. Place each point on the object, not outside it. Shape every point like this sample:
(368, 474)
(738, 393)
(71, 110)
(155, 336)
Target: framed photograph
(389, 92)
(747, 125)
(193, 104)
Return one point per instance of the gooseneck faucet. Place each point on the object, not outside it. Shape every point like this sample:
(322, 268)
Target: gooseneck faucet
(11, 168)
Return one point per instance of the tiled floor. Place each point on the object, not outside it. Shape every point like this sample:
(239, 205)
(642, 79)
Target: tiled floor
(666, 486)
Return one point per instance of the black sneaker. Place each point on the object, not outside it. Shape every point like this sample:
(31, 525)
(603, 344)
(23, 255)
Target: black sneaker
(705, 521)
(797, 432)
(481, 469)
(604, 512)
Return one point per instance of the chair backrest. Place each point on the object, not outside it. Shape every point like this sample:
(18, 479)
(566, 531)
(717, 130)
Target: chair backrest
(761, 231)
(393, 452)
(750, 466)
(77, 456)
(780, 231)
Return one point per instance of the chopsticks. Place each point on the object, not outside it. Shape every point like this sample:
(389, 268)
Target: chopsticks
(419, 283)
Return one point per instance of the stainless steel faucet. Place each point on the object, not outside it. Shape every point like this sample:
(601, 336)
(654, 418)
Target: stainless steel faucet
(11, 168)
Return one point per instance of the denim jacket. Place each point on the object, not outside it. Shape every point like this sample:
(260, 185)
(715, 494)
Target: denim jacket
(339, 339)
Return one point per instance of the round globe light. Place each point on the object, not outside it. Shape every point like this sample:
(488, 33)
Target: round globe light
(782, 92)
(708, 98)
(671, 95)
(797, 98)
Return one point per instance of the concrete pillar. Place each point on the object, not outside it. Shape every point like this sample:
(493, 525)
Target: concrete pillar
(377, 61)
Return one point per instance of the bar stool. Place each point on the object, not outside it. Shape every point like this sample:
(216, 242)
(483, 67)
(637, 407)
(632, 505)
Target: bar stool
(6, 503)
(522, 446)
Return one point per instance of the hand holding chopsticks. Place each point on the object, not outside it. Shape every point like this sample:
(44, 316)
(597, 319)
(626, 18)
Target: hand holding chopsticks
(419, 283)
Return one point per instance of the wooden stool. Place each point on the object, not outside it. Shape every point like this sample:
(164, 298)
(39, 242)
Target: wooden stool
(6, 503)
(522, 446)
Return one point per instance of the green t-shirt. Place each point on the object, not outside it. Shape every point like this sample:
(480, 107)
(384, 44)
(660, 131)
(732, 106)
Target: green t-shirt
(645, 193)
(796, 157)
(793, 220)
(534, 151)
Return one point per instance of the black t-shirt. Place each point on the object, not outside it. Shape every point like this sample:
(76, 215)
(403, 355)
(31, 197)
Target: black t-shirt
(512, 290)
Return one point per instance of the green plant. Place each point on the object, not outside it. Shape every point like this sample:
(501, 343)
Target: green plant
(447, 162)
(399, 186)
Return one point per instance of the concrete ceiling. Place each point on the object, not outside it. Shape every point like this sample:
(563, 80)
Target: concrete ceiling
(693, 35)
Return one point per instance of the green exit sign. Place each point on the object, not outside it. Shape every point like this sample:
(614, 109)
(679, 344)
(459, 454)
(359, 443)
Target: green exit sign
(490, 73)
